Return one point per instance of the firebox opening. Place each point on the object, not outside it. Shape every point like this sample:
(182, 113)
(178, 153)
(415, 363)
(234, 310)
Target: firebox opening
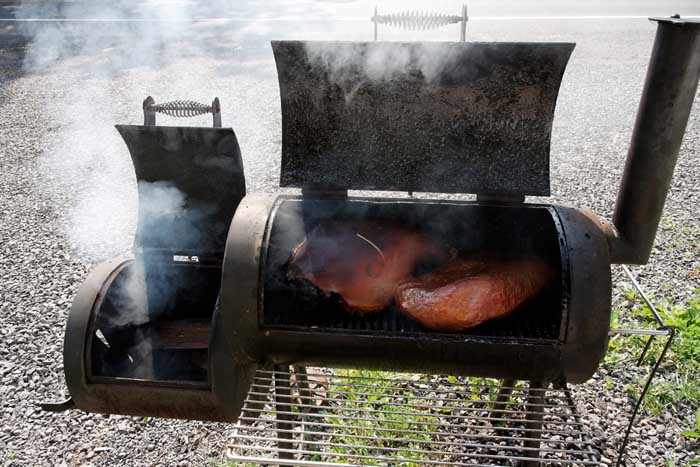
(466, 229)
(153, 323)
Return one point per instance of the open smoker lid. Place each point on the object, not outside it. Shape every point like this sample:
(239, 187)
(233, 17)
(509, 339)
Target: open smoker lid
(439, 117)
(190, 181)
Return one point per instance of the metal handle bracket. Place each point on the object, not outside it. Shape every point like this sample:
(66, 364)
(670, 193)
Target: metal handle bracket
(57, 406)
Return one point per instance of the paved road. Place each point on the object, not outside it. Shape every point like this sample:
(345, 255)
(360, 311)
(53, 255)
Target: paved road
(67, 194)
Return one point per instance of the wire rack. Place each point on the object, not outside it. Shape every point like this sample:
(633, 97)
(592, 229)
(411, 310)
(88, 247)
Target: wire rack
(324, 417)
(350, 417)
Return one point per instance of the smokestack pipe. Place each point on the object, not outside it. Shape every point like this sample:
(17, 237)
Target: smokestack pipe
(669, 91)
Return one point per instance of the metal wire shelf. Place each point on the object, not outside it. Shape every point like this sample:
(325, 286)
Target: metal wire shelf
(363, 418)
(353, 417)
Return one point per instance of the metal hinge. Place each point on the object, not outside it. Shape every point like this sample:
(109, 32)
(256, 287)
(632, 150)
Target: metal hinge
(321, 193)
(502, 199)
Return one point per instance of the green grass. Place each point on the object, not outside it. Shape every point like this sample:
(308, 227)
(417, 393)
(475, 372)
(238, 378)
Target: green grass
(363, 439)
(352, 434)
(691, 463)
(678, 380)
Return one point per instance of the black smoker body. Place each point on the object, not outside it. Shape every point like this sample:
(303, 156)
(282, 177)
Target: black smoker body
(142, 331)
(447, 118)
(561, 335)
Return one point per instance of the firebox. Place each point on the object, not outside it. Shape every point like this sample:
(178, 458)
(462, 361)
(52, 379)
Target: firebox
(142, 331)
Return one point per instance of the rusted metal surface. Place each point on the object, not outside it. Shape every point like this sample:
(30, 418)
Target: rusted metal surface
(436, 117)
(181, 334)
(669, 91)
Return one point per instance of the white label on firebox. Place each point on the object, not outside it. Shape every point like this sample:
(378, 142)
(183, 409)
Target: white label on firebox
(185, 259)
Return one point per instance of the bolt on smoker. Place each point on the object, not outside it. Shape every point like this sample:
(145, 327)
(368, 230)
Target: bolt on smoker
(179, 330)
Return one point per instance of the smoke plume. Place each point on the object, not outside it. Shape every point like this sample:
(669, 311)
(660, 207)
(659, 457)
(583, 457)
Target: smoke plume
(382, 61)
(99, 60)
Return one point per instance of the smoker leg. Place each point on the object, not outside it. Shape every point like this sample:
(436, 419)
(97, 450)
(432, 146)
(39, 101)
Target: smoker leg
(312, 390)
(302, 380)
(283, 399)
(500, 427)
(534, 416)
(503, 397)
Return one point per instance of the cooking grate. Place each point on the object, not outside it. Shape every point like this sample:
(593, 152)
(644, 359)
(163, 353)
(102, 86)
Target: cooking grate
(294, 303)
(304, 309)
(353, 417)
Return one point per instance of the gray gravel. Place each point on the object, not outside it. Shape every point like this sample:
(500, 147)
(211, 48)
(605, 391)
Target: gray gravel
(67, 200)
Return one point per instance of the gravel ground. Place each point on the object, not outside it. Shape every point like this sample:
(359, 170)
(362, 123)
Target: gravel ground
(67, 200)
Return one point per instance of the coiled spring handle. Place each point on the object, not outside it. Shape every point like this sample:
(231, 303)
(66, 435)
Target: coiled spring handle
(419, 20)
(181, 109)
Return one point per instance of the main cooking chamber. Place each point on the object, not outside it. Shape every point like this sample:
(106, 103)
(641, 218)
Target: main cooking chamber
(477, 120)
(274, 317)
(466, 230)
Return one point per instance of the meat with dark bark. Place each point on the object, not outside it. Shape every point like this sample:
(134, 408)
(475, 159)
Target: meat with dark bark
(362, 262)
(467, 292)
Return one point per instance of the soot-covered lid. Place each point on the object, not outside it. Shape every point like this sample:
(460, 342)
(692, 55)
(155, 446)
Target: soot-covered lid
(190, 181)
(438, 117)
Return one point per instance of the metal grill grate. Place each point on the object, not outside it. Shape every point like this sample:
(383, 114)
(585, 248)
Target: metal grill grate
(520, 324)
(352, 417)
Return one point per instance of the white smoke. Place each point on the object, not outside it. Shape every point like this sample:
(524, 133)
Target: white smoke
(161, 198)
(99, 60)
(86, 169)
(381, 61)
(131, 298)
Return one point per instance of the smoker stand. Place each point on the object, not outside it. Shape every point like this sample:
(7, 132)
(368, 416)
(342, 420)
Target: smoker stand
(325, 417)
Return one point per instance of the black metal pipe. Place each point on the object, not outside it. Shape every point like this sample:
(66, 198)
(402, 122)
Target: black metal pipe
(535, 420)
(504, 393)
(669, 91)
(283, 408)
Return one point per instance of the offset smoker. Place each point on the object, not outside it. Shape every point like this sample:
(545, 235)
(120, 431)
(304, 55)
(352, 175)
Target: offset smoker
(141, 331)
(446, 118)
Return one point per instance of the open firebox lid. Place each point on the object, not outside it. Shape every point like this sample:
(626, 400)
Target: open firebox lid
(190, 181)
(437, 117)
